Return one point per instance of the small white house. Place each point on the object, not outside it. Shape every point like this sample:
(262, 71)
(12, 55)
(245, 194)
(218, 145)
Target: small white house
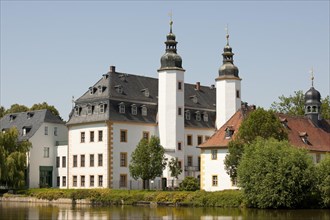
(44, 130)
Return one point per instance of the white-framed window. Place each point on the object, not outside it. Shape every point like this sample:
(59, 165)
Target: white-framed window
(119, 89)
(214, 180)
(55, 131)
(144, 110)
(46, 130)
(89, 109)
(102, 108)
(205, 117)
(46, 152)
(100, 180)
(214, 154)
(100, 89)
(134, 109)
(121, 108)
(198, 116)
(187, 115)
(146, 93)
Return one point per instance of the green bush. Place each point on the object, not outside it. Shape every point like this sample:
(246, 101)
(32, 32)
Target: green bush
(189, 184)
(323, 181)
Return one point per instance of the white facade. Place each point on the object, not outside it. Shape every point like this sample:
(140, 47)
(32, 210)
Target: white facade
(228, 99)
(61, 166)
(43, 151)
(213, 173)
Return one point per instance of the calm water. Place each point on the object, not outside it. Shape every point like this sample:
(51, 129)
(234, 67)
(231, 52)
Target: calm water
(18, 211)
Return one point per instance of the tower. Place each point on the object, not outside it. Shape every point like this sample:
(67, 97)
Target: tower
(228, 84)
(313, 103)
(171, 100)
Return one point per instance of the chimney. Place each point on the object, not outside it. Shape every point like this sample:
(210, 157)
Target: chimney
(212, 86)
(198, 86)
(112, 69)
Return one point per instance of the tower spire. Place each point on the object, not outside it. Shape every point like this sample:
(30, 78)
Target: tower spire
(227, 34)
(312, 76)
(171, 21)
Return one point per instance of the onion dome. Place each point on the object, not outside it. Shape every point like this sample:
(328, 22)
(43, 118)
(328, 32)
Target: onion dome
(312, 96)
(171, 60)
(228, 68)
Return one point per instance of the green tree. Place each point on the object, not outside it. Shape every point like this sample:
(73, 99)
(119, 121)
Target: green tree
(259, 123)
(148, 160)
(189, 184)
(45, 105)
(17, 108)
(13, 157)
(175, 169)
(274, 174)
(295, 105)
(2, 111)
(323, 181)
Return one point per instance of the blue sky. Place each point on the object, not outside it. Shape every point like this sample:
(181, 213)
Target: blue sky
(53, 50)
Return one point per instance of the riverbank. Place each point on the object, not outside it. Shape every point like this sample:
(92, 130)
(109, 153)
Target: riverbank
(229, 198)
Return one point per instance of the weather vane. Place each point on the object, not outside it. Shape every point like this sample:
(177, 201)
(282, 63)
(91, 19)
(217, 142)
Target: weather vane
(171, 21)
(312, 76)
(227, 34)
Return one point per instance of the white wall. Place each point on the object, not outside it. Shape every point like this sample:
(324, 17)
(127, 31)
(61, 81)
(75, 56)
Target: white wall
(61, 171)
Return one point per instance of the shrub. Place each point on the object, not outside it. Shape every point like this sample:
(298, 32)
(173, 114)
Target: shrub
(323, 181)
(189, 184)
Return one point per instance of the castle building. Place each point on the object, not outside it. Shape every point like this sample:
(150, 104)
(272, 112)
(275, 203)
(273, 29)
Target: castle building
(46, 132)
(112, 116)
(310, 132)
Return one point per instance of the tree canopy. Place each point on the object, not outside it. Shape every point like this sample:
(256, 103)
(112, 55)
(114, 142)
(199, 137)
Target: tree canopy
(274, 174)
(45, 105)
(323, 181)
(15, 108)
(13, 159)
(295, 105)
(148, 160)
(259, 123)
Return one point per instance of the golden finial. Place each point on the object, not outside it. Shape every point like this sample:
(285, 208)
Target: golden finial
(171, 21)
(227, 34)
(312, 76)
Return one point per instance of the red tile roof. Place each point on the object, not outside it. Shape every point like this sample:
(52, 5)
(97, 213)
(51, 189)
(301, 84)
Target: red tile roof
(318, 137)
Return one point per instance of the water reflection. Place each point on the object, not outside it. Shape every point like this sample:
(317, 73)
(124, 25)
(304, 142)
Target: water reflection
(18, 211)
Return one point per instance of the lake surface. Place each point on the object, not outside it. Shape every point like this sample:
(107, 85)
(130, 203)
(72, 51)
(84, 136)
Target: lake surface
(18, 211)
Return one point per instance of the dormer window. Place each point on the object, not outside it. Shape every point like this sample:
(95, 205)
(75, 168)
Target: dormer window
(89, 109)
(119, 89)
(144, 110)
(122, 77)
(134, 109)
(77, 110)
(12, 117)
(121, 108)
(198, 116)
(284, 122)
(187, 115)
(102, 108)
(229, 132)
(25, 130)
(146, 92)
(304, 137)
(30, 115)
(91, 90)
(205, 117)
(194, 98)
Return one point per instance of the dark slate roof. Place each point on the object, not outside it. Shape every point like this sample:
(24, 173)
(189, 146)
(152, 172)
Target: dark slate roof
(133, 92)
(31, 120)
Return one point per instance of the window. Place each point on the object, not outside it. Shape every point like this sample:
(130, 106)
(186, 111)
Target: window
(199, 163)
(134, 109)
(229, 132)
(64, 181)
(144, 110)
(91, 180)
(180, 163)
(187, 115)
(102, 108)
(179, 146)
(91, 136)
(100, 135)
(145, 135)
(146, 92)
(74, 181)
(100, 160)
(179, 85)
(58, 181)
(180, 111)
(91, 160)
(237, 94)
(199, 139)
(189, 140)
(207, 137)
(123, 159)
(24, 131)
(46, 152)
(57, 161)
(91, 90)
(100, 180)
(214, 180)
(198, 116)
(76, 111)
(46, 130)
(123, 180)
(64, 161)
(82, 160)
(194, 99)
(89, 110)
(189, 161)
(82, 137)
(55, 131)
(121, 108)
(205, 117)
(214, 154)
(123, 135)
(119, 89)
(100, 89)
(74, 160)
(82, 181)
